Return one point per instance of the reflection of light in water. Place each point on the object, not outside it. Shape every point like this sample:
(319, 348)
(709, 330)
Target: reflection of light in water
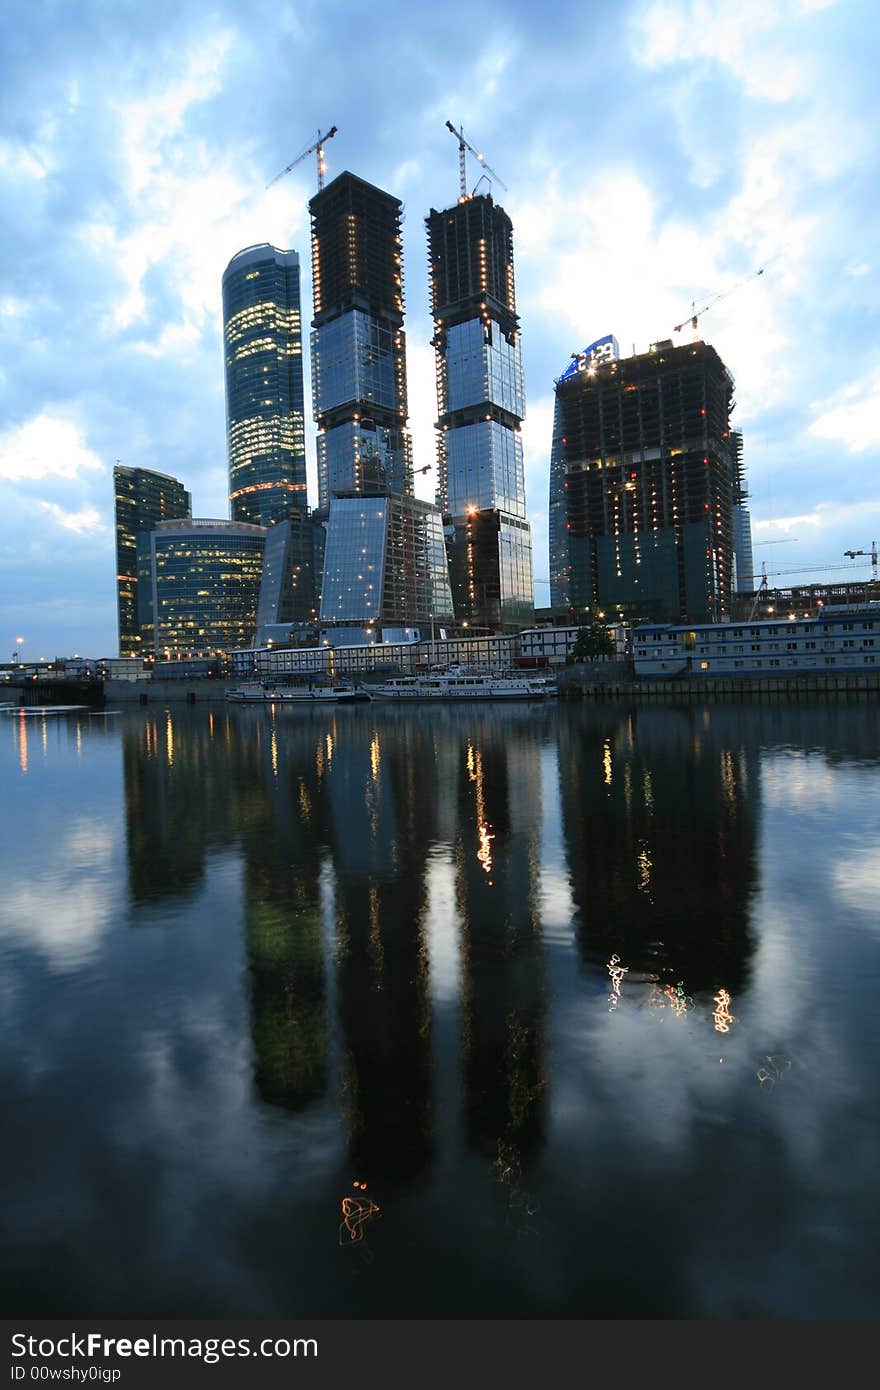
(728, 776)
(678, 1000)
(374, 757)
(617, 972)
(772, 1069)
(377, 950)
(169, 740)
(274, 751)
(319, 759)
(607, 762)
(22, 742)
(648, 791)
(721, 1013)
(305, 804)
(484, 853)
(45, 736)
(484, 833)
(79, 739)
(329, 743)
(627, 787)
(356, 1212)
(210, 724)
(645, 867)
(521, 1205)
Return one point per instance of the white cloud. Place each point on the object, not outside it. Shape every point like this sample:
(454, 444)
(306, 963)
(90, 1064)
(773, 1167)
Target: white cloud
(752, 38)
(857, 882)
(851, 416)
(46, 446)
(86, 521)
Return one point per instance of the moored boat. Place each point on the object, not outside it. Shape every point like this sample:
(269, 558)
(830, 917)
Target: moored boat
(254, 693)
(460, 686)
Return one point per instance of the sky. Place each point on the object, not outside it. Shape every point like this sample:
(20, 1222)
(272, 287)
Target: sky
(656, 154)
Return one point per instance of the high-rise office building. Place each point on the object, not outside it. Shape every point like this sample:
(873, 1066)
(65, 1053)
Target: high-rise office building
(205, 584)
(384, 561)
(143, 499)
(262, 339)
(481, 482)
(646, 474)
(358, 346)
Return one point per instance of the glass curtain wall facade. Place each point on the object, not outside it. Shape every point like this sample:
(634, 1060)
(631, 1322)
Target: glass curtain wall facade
(287, 586)
(384, 559)
(262, 336)
(481, 404)
(143, 499)
(385, 563)
(647, 480)
(206, 583)
(358, 344)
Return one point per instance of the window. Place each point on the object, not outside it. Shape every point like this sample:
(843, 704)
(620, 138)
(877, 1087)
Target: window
(737, 663)
(704, 665)
(831, 661)
(774, 661)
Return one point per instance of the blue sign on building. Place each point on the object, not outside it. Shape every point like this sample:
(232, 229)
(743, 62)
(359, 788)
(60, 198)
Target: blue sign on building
(602, 350)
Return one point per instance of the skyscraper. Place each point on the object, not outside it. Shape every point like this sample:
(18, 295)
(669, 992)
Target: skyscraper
(481, 483)
(143, 499)
(645, 473)
(358, 346)
(205, 584)
(384, 561)
(262, 337)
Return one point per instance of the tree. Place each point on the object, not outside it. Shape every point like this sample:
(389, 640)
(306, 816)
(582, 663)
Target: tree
(593, 641)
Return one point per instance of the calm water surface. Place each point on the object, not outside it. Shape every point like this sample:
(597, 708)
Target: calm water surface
(585, 1001)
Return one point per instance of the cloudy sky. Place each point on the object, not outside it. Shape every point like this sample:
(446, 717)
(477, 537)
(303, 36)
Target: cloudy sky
(655, 152)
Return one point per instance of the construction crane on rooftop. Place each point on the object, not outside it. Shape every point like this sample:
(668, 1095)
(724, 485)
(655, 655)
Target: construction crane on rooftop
(697, 314)
(462, 170)
(873, 556)
(318, 147)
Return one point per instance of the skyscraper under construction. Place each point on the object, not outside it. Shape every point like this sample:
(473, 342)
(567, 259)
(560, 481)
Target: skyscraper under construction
(645, 475)
(481, 484)
(384, 563)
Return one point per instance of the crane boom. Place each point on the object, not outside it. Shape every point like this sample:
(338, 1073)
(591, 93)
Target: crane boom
(462, 171)
(319, 146)
(696, 314)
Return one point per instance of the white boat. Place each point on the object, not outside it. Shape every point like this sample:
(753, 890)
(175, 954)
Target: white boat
(255, 693)
(460, 686)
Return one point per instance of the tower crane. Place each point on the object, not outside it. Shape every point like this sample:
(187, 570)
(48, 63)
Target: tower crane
(873, 554)
(696, 313)
(462, 171)
(317, 146)
(764, 587)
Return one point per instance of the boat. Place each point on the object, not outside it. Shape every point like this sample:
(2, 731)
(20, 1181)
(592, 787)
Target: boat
(255, 693)
(460, 685)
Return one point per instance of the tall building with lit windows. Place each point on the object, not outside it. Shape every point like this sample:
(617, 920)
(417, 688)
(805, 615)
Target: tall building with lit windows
(143, 498)
(384, 562)
(481, 403)
(262, 339)
(645, 477)
(205, 584)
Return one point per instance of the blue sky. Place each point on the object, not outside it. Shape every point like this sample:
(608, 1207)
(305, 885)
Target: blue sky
(655, 152)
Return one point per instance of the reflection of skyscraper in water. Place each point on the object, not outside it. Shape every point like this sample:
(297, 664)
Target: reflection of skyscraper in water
(503, 1004)
(660, 822)
(173, 809)
(197, 782)
(382, 796)
(283, 920)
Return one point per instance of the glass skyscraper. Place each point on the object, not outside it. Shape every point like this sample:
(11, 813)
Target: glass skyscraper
(262, 337)
(481, 405)
(358, 345)
(384, 560)
(205, 584)
(143, 499)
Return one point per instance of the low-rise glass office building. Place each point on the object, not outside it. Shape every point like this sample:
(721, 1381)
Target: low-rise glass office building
(205, 584)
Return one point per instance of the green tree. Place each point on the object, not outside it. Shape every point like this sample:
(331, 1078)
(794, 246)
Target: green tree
(593, 641)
